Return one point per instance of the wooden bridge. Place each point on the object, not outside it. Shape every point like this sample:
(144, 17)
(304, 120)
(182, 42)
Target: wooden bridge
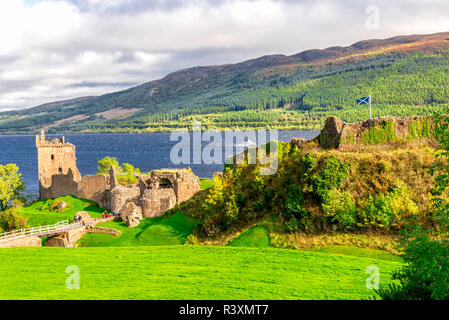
(41, 231)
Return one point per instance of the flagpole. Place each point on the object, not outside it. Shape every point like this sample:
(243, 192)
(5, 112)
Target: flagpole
(370, 107)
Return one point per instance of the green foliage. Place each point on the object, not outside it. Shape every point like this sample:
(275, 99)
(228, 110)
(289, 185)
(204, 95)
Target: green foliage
(220, 206)
(379, 134)
(387, 211)
(10, 183)
(105, 164)
(340, 207)
(128, 168)
(331, 174)
(419, 129)
(10, 219)
(375, 212)
(298, 216)
(425, 275)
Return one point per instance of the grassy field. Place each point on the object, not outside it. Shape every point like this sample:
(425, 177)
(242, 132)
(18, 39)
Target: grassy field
(206, 183)
(39, 214)
(150, 232)
(254, 237)
(186, 272)
(360, 252)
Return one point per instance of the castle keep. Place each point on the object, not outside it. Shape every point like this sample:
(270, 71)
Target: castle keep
(55, 157)
(151, 196)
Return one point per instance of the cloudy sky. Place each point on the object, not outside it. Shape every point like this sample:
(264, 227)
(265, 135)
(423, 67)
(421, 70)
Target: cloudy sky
(58, 49)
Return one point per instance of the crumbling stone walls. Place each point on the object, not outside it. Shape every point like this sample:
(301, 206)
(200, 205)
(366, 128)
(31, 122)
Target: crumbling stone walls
(337, 134)
(154, 194)
(93, 187)
(156, 201)
(61, 185)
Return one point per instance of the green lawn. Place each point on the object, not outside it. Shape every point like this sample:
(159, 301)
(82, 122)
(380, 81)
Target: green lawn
(186, 272)
(254, 237)
(150, 232)
(360, 252)
(206, 183)
(39, 214)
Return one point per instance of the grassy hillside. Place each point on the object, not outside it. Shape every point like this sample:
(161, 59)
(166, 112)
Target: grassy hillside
(405, 75)
(40, 212)
(186, 272)
(254, 237)
(372, 192)
(150, 232)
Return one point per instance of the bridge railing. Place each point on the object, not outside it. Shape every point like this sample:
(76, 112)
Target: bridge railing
(41, 230)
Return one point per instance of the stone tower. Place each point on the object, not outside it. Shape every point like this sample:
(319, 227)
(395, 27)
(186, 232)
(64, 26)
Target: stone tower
(55, 158)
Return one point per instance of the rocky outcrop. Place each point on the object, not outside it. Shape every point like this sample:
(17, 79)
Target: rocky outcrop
(131, 214)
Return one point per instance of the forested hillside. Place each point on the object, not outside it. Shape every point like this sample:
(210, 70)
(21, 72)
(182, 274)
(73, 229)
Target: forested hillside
(404, 75)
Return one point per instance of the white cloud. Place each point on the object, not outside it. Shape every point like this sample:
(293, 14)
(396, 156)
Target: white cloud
(57, 49)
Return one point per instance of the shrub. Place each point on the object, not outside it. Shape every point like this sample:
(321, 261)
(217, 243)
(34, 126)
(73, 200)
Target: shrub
(340, 207)
(10, 184)
(10, 219)
(426, 250)
(192, 239)
(388, 210)
(129, 168)
(374, 212)
(331, 175)
(425, 275)
(105, 164)
(296, 212)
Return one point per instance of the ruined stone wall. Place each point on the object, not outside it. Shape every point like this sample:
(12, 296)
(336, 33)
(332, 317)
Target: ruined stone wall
(155, 202)
(93, 188)
(23, 242)
(102, 230)
(120, 195)
(61, 185)
(337, 134)
(186, 186)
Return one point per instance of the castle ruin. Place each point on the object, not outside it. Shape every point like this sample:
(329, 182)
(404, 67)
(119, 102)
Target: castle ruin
(337, 134)
(55, 158)
(150, 197)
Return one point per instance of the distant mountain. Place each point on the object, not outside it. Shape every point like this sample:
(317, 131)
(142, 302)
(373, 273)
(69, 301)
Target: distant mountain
(405, 74)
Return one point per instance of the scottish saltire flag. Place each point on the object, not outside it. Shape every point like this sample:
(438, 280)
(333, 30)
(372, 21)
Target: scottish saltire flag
(364, 100)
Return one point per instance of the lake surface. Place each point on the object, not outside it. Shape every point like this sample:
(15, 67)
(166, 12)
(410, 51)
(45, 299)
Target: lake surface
(147, 151)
